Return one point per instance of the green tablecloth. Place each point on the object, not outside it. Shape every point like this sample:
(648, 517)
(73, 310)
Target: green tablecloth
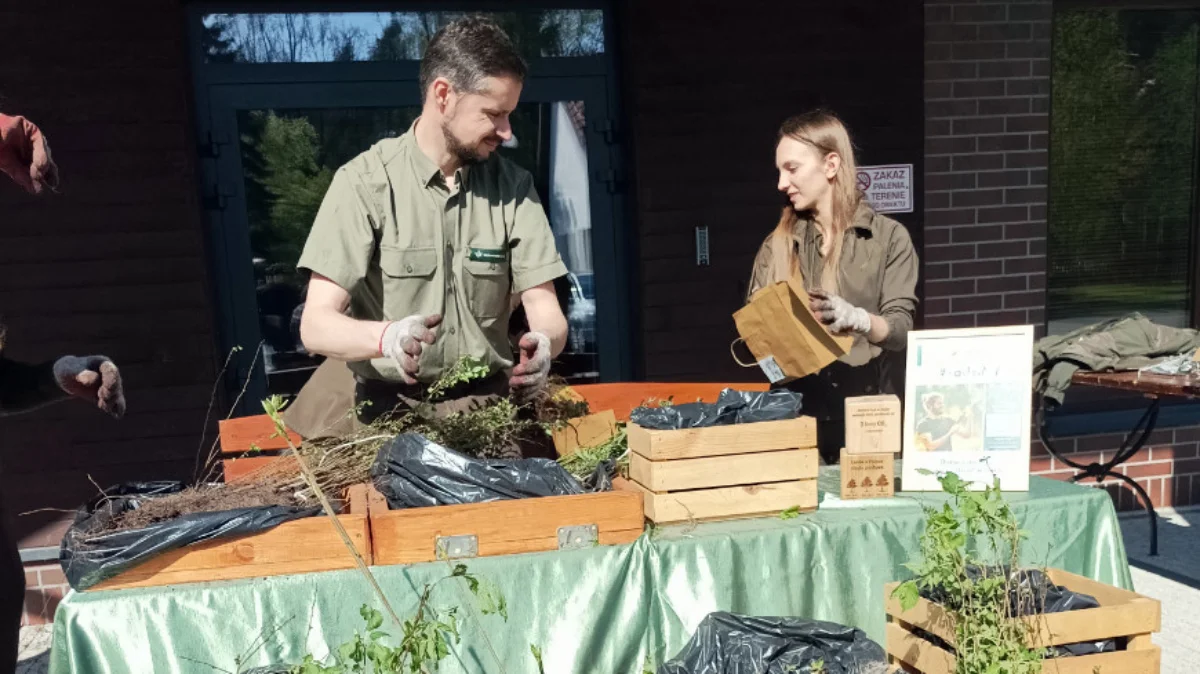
(602, 610)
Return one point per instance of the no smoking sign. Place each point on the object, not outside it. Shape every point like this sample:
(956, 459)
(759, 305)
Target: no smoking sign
(889, 189)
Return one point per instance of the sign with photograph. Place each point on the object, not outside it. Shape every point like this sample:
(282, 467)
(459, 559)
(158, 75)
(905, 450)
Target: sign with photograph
(968, 398)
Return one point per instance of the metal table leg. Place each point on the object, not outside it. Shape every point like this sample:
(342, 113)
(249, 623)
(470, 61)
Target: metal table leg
(1132, 444)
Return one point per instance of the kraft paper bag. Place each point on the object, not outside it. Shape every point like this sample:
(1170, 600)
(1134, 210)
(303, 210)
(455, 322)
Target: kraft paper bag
(784, 335)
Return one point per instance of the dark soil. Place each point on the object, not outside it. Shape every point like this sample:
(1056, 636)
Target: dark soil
(206, 498)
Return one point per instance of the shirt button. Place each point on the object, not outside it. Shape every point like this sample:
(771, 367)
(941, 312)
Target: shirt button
(453, 330)
(492, 266)
(408, 269)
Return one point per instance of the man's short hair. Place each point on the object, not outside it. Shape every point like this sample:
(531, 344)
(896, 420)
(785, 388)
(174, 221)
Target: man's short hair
(928, 399)
(466, 51)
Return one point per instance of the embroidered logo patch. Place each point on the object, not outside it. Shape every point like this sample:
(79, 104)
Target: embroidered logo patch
(488, 255)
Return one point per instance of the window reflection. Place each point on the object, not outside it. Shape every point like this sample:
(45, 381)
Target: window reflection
(1122, 166)
(313, 37)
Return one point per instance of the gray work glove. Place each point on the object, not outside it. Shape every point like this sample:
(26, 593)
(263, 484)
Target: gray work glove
(405, 339)
(94, 379)
(533, 371)
(841, 317)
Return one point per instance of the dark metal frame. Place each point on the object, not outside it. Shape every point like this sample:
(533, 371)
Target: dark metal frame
(222, 89)
(1130, 446)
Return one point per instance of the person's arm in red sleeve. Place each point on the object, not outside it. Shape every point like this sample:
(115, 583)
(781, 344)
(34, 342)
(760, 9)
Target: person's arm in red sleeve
(25, 155)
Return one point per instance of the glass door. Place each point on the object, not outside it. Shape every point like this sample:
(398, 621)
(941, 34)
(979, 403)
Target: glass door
(279, 147)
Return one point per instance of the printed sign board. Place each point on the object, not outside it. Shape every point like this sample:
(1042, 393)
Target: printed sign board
(889, 189)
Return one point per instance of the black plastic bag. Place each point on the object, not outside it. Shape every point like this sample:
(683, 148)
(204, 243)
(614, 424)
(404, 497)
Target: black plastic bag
(601, 479)
(411, 471)
(732, 407)
(89, 558)
(727, 643)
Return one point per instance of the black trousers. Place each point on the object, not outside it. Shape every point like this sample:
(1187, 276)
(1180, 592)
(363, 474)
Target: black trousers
(12, 596)
(825, 393)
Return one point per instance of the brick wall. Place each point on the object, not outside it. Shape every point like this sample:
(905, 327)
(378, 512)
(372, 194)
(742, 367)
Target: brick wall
(706, 86)
(987, 107)
(45, 586)
(1168, 467)
(987, 102)
(114, 264)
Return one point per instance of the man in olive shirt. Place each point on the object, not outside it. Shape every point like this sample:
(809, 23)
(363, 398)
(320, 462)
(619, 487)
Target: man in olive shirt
(424, 243)
(937, 429)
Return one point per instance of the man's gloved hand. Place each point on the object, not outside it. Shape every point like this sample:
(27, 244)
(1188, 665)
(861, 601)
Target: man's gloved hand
(532, 372)
(405, 339)
(840, 316)
(25, 155)
(94, 379)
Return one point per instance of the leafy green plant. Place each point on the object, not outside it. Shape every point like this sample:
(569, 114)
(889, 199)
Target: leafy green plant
(790, 514)
(968, 553)
(426, 639)
(487, 431)
(583, 462)
(466, 369)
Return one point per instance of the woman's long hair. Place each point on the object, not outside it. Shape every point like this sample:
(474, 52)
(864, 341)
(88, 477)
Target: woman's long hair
(825, 133)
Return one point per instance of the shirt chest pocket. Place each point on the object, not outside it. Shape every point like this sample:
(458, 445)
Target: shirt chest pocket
(487, 286)
(408, 275)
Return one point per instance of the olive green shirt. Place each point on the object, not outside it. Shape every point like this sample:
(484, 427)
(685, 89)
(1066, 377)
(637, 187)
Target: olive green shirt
(877, 271)
(401, 242)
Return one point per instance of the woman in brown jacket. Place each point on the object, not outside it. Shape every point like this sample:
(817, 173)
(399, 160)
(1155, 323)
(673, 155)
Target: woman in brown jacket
(859, 267)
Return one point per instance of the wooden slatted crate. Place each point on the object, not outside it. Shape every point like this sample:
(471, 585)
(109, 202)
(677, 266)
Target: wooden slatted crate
(723, 472)
(300, 546)
(413, 535)
(1126, 616)
(249, 443)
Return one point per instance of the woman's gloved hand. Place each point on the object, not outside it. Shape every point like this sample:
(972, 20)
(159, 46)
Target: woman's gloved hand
(841, 317)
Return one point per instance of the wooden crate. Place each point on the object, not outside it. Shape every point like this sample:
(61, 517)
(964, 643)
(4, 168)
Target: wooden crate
(249, 443)
(300, 546)
(692, 443)
(413, 535)
(1125, 616)
(722, 472)
(755, 500)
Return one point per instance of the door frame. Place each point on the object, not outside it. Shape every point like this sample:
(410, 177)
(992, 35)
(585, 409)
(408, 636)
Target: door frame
(221, 90)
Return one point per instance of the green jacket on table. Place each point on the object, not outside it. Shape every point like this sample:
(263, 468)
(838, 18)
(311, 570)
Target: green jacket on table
(1127, 343)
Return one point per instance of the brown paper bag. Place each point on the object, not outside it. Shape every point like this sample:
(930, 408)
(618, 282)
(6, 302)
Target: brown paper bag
(784, 335)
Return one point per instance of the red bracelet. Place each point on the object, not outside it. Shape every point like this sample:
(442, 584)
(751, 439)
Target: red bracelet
(385, 329)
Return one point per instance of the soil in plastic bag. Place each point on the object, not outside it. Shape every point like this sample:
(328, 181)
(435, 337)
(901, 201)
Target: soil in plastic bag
(732, 407)
(727, 643)
(92, 553)
(411, 471)
(1036, 594)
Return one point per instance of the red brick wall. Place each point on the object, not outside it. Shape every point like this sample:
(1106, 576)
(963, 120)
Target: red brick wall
(116, 262)
(45, 587)
(1168, 467)
(987, 105)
